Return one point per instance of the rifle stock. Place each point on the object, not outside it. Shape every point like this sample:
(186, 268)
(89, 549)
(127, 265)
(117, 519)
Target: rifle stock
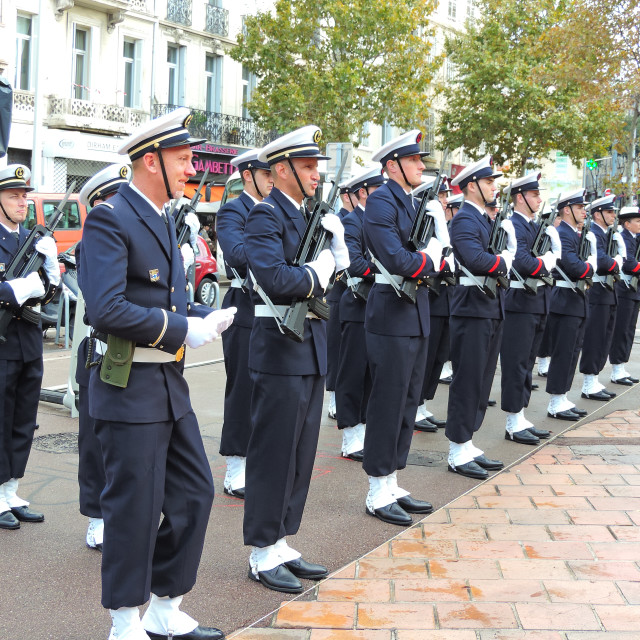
(182, 229)
(497, 244)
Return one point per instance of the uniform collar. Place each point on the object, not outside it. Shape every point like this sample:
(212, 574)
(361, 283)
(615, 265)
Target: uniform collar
(255, 200)
(17, 230)
(295, 203)
(153, 206)
(526, 217)
(478, 208)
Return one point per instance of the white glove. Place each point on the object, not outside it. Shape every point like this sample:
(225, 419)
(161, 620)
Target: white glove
(332, 223)
(47, 247)
(593, 242)
(27, 288)
(323, 266)
(434, 251)
(593, 261)
(549, 260)
(622, 247)
(192, 221)
(188, 256)
(507, 256)
(556, 244)
(618, 260)
(199, 332)
(451, 262)
(512, 241)
(435, 210)
(220, 320)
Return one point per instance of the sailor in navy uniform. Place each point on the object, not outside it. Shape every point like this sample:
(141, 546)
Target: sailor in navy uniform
(397, 331)
(231, 220)
(443, 192)
(288, 376)
(91, 476)
(21, 345)
(334, 334)
(568, 308)
(476, 319)
(133, 281)
(603, 302)
(628, 294)
(453, 205)
(438, 349)
(353, 383)
(525, 311)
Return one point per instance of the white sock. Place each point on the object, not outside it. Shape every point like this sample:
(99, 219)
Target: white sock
(379, 494)
(332, 402)
(421, 413)
(461, 453)
(163, 616)
(234, 477)
(4, 506)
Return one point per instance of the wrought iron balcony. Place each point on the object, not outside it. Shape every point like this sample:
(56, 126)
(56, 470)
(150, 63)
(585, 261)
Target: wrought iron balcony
(179, 11)
(70, 113)
(217, 21)
(222, 128)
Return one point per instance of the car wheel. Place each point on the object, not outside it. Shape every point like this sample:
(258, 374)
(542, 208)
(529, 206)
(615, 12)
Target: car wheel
(206, 292)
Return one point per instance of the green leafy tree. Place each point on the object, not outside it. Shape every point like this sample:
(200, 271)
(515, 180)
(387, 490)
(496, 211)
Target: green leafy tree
(516, 92)
(339, 64)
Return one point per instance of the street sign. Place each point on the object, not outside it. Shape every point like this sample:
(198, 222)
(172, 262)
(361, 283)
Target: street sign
(335, 151)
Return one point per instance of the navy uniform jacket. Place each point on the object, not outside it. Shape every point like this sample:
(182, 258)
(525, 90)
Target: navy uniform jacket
(527, 265)
(24, 339)
(566, 301)
(599, 294)
(132, 279)
(388, 219)
(630, 266)
(273, 233)
(469, 232)
(352, 308)
(231, 220)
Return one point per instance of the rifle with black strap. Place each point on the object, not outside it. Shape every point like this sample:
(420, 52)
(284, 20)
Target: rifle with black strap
(541, 245)
(497, 244)
(315, 240)
(28, 260)
(612, 251)
(422, 231)
(180, 216)
(584, 251)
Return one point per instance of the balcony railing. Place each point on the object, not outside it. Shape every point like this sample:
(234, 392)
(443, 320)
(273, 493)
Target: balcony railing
(23, 105)
(217, 21)
(70, 113)
(222, 128)
(179, 11)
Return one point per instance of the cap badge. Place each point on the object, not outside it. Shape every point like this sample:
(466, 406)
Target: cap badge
(187, 121)
(124, 171)
(317, 136)
(419, 137)
(19, 173)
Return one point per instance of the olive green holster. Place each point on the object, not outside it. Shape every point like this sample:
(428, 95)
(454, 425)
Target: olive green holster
(116, 362)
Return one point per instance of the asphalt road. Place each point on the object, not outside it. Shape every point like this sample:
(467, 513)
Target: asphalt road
(50, 584)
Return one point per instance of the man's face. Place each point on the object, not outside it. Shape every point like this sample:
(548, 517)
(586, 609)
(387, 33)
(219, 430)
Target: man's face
(609, 217)
(179, 168)
(492, 212)
(308, 174)
(574, 215)
(533, 199)
(264, 181)
(442, 196)
(14, 202)
(412, 167)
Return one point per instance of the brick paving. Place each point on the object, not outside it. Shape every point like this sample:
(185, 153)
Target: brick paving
(546, 550)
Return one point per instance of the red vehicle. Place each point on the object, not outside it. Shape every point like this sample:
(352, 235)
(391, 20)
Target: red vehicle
(206, 279)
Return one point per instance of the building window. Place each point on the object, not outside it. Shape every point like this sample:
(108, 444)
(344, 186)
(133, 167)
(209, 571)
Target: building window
(387, 132)
(248, 85)
(471, 9)
(213, 74)
(453, 9)
(81, 79)
(131, 53)
(176, 63)
(365, 135)
(23, 53)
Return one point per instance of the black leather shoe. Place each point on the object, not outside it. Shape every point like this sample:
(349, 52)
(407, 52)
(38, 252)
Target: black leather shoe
(534, 386)
(306, 570)
(439, 423)
(235, 493)
(488, 463)
(600, 395)
(8, 521)
(491, 403)
(522, 437)
(358, 456)
(392, 514)
(411, 505)
(543, 434)
(632, 379)
(578, 412)
(426, 426)
(627, 382)
(199, 633)
(279, 579)
(446, 380)
(470, 470)
(24, 514)
(542, 375)
(568, 414)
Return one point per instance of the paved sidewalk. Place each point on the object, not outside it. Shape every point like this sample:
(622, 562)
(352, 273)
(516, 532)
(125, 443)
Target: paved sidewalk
(548, 550)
